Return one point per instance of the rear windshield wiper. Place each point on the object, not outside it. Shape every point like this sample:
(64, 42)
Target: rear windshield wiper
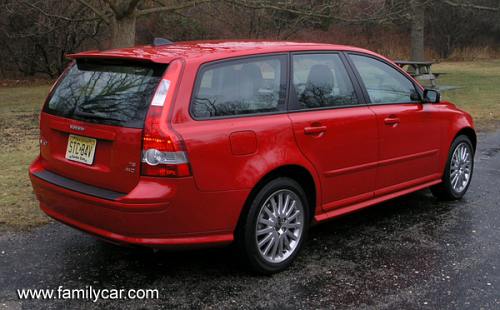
(96, 116)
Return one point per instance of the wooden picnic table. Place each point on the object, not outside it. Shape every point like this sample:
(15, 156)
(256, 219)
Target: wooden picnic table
(419, 69)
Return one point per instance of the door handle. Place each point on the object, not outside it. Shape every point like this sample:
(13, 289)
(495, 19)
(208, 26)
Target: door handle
(391, 120)
(314, 130)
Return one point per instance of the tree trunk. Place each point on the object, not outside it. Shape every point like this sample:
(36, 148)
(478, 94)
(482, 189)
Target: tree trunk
(417, 30)
(123, 31)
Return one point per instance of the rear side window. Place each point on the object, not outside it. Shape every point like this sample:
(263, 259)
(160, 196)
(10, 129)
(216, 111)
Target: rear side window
(239, 87)
(106, 92)
(383, 83)
(321, 80)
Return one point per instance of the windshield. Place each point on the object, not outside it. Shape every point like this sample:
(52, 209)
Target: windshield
(106, 92)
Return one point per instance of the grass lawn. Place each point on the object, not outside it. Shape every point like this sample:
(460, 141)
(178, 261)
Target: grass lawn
(479, 93)
(19, 110)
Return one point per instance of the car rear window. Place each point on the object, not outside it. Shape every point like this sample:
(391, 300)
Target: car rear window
(106, 92)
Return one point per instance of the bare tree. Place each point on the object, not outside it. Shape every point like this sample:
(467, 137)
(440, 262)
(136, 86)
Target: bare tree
(121, 15)
(417, 32)
(467, 4)
(36, 35)
(416, 15)
(35, 38)
(453, 27)
(358, 12)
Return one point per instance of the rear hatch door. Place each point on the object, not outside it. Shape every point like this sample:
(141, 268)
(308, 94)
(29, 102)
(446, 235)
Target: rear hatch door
(91, 125)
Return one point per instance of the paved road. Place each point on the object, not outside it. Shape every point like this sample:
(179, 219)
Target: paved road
(413, 252)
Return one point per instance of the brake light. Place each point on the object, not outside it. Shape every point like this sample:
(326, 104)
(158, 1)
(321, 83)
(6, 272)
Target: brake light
(163, 151)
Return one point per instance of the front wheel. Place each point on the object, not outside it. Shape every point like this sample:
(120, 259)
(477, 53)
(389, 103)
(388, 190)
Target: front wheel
(458, 171)
(275, 226)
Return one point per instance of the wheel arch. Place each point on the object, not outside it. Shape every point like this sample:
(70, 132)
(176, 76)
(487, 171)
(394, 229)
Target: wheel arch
(470, 133)
(297, 173)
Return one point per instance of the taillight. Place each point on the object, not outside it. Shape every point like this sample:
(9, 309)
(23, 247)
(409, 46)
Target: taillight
(163, 151)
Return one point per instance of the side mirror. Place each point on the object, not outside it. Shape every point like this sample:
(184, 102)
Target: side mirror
(432, 96)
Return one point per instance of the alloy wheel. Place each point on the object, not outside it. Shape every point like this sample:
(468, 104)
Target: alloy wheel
(461, 167)
(279, 226)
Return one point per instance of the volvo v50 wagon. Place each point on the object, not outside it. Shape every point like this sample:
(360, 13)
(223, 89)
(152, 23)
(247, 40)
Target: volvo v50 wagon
(215, 142)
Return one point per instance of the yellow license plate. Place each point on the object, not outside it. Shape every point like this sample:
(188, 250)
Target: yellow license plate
(81, 149)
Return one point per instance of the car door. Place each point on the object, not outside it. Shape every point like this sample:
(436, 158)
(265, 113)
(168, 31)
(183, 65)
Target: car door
(409, 136)
(333, 128)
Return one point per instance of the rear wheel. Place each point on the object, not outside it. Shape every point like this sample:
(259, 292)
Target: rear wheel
(275, 226)
(458, 171)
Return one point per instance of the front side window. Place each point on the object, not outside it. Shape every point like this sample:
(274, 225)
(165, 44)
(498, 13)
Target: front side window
(321, 80)
(239, 87)
(383, 83)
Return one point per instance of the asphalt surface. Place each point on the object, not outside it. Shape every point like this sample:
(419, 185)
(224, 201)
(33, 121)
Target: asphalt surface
(412, 252)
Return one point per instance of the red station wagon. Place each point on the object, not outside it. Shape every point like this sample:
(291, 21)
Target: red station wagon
(206, 143)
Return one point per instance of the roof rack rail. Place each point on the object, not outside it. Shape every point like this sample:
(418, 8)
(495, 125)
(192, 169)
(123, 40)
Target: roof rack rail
(161, 41)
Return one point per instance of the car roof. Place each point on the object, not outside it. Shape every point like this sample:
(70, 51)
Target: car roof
(212, 50)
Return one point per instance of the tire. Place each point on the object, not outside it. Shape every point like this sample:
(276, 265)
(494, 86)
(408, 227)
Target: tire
(452, 187)
(281, 231)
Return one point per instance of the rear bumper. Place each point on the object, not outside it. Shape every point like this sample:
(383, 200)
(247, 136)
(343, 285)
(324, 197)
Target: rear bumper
(158, 212)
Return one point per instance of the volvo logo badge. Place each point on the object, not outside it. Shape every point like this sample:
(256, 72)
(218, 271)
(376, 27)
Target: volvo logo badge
(76, 127)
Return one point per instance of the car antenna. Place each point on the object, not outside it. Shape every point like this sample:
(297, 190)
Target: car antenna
(161, 41)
